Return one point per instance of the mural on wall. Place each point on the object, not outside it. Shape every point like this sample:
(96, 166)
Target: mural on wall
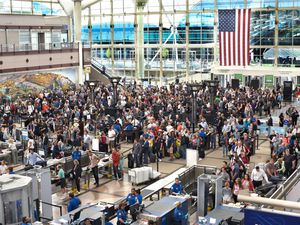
(30, 83)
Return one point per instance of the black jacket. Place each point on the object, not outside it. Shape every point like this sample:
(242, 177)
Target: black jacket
(76, 171)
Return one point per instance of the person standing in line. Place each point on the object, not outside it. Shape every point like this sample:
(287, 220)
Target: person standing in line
(62, 180)
(94, 160)
(270, 124)
(116, 161)
(236, 189)
(137, 152)
(76, 173)
(112, 138)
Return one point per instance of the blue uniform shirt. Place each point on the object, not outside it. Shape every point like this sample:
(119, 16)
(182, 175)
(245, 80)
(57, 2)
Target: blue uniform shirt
(177, 188)
(121, 214)
(178, 215)
(131, 199)
(108, 223)
(139, 198)
(76, 155)
(73, 204)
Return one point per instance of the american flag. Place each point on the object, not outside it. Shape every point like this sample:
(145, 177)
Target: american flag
(234, 37)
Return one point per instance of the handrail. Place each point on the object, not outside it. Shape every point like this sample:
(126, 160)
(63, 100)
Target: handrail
(12, 48)
(38, 202)
(100, 68)
(287, 185)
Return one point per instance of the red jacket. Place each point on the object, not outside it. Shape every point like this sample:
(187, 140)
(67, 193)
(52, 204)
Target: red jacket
(115, 157)
(251, 187)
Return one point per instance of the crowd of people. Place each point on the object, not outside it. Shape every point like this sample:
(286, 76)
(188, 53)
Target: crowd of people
(158, 120)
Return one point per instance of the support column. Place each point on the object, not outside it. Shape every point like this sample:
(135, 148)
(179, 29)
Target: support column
(276, 36)
(112, 31)
(70, 31)
(187, 39)
(140, 5)
(216, 44)
(77, 20)
(135, 75)
(90, 26)
(160, 43)
(80, 76)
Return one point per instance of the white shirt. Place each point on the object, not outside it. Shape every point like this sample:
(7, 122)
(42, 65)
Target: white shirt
(204, 124)
(3, 169)
(111, 135)
(259, 175)
(169, 128)
(226, 128)
(295, 131)
(87, 139)
(30, 108)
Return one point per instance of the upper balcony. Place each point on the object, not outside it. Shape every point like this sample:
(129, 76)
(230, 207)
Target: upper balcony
(16, 57)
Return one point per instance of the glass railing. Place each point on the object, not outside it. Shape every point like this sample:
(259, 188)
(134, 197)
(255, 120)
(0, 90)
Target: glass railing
(5, 48)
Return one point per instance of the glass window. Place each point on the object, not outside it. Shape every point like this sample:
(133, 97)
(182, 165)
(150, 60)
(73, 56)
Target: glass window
(287, 4)
(168, 5)
(84, 25)
(201, 58)
(152, 6)
(262, 28)
(261, 3)
(95, 9)
(201, 28)
(43, 8)
(129, 6)
(151, 29)
(57, 9)
(288, 27)
(201, 5)
(288, 57)
(22, 7)
(118, 7)
(232, 4)
(4, 6)
(262, 56)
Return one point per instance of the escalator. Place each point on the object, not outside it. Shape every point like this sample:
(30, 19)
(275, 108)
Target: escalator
(99, 72)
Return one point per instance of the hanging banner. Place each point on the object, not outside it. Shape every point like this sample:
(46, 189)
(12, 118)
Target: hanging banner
(269, 81)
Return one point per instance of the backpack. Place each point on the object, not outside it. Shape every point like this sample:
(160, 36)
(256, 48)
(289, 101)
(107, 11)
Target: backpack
(177, 155)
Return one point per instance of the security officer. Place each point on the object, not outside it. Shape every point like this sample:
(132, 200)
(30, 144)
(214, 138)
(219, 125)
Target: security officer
(177, 188)
(121, 214)
(139, 196)
(131, 197)
(74, 203)
(179, 217)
